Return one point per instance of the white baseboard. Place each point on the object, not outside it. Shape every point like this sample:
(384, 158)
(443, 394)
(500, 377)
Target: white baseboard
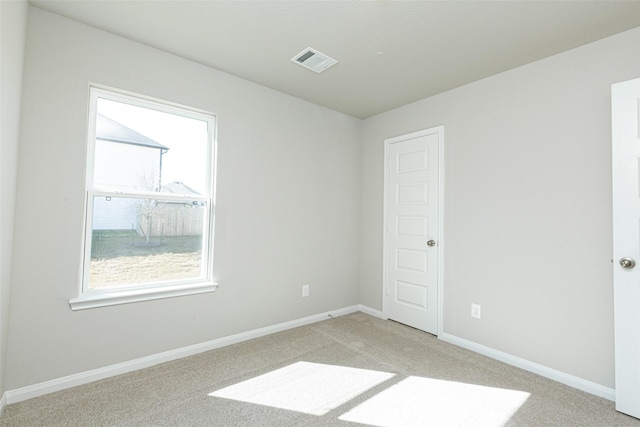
(544, 371)
(28, 392)
(371, 311)
(3, 403)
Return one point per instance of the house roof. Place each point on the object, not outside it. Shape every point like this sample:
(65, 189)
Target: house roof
(110, 130)
(178, 187)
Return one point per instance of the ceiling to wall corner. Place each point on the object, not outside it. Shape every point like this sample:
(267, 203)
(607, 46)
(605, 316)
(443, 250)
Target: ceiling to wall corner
(389, 53)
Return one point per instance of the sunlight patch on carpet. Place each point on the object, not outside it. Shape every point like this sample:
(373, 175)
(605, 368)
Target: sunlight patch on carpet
(312, 388)
(417, 401)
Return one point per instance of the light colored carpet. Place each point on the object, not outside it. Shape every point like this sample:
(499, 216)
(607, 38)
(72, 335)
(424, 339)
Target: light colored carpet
(302, 377)
(312, 388)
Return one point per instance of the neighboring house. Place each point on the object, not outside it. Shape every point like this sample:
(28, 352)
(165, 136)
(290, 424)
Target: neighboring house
(138, 158)
(178, 187)
(139, 166)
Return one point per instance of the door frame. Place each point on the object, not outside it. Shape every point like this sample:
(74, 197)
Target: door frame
(439, 130)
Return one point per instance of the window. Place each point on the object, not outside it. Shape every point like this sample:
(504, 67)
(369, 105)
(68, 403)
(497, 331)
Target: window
(149, 201)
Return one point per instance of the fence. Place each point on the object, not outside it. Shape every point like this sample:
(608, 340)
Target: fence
(172, 219)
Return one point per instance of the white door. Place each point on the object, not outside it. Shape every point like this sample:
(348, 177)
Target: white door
(625, 103)
(412, 234)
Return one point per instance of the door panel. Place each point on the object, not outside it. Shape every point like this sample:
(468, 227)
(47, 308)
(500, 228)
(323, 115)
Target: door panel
(626, 243)
(412, 210)
(412, 226)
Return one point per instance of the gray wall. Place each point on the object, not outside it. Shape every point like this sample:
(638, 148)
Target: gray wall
(527, 206)
(287, 206)
(13, 24)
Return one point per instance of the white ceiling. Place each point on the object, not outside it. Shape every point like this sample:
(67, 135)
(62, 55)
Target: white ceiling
(390, 53)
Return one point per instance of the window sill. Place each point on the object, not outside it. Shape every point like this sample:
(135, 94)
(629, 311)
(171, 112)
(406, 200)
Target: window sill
(104, 299)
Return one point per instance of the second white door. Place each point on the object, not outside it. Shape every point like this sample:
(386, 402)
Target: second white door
(412, 246)
(625, 103)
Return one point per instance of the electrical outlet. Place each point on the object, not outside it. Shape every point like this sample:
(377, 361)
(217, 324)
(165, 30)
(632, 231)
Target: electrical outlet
(476, 310)
(305, 291)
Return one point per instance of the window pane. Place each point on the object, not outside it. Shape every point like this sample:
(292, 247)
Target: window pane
(140, 149)
(143, 241)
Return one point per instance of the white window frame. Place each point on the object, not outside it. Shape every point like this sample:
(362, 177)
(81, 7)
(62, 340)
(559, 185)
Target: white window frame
(91, 298)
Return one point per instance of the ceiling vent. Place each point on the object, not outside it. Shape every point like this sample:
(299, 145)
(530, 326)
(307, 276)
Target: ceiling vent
(314, 60)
